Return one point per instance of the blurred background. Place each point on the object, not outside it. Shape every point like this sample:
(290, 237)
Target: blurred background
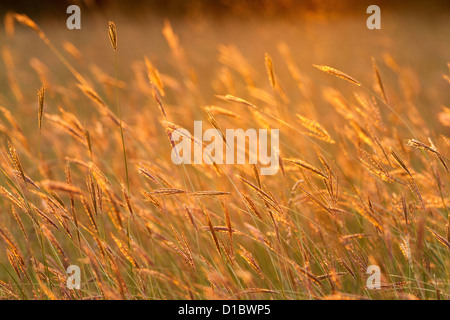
(268, 8)
(414, 34)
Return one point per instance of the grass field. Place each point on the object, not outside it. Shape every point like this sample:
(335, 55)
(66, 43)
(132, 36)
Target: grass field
(87, 177)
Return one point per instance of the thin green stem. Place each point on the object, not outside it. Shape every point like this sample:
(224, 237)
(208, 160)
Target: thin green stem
(119, 113)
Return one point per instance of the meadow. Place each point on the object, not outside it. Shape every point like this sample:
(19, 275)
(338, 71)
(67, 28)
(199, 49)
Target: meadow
(87, 177)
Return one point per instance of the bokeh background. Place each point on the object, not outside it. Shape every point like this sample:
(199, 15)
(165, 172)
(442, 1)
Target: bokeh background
(325, 32)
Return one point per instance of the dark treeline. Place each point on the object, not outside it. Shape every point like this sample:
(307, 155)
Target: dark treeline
(268, 8)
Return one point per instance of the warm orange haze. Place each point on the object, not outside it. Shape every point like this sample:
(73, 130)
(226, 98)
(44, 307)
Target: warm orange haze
(94, 203)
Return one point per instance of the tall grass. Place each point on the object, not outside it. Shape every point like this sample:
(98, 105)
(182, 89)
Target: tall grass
(367, 185)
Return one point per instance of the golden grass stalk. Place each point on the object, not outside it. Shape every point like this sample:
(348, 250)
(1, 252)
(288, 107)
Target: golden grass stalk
(248, 257)
(125, 251)
(202, 194)
(378, 79)
(337, 73)
(61, 186)
(214, 123)
(315, 129)
(157, 96)
(232, 98)
(250, 204)
(26, 21)
(9, 24)
(269, 70)
(440, 238)
(15, 161)
(41, 95)
(72, 130)
(222, 111)
(306, 165)
(167, 191)
(190, 217)
(154, 77)
(112, 33)
(432, 148)
(150, 197)
(375, 166)
(180, 252)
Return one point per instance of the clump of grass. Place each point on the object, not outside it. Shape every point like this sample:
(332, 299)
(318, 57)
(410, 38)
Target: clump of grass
(355, 188)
